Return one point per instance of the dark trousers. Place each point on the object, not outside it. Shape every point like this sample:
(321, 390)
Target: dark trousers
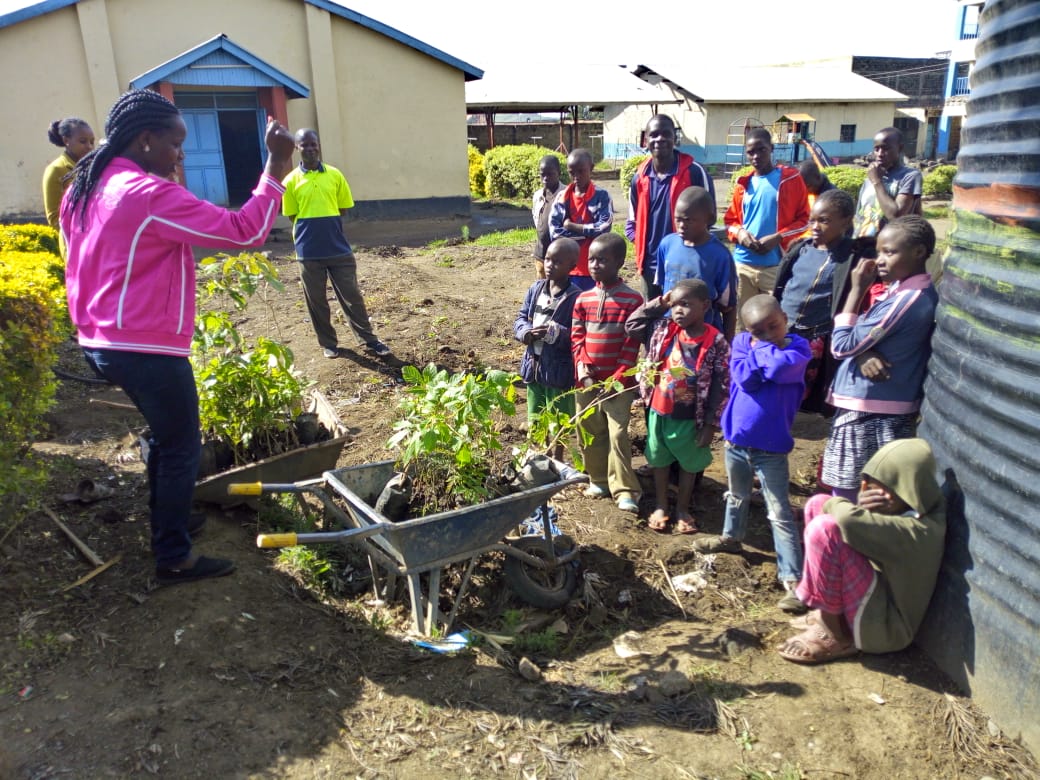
(342, 273)
(162, 388)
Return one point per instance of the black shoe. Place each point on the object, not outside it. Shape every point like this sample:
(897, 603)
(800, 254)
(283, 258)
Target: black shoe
(203, 569)
(196, 523)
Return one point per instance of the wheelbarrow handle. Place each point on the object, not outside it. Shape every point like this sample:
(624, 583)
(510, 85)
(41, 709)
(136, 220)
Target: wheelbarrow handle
(268, 541)
(259, 488)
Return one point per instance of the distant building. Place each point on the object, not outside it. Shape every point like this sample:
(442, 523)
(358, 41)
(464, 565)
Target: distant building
(826, 105)
(923, 81)
(962, 60)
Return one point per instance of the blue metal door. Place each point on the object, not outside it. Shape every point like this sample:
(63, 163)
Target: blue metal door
(203, 159)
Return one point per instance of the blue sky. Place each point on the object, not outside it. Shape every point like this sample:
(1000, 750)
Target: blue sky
(491, 32)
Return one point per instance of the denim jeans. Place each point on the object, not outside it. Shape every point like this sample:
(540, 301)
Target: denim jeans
(742, 464)
(162, 388)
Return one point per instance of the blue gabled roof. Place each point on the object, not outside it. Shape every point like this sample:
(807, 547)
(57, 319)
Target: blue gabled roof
(232, 66)
(32, 10)
(471, 72)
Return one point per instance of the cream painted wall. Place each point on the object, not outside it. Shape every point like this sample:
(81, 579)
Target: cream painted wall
(868, 117)
(396, 125)
(385, 89)
(45, 78)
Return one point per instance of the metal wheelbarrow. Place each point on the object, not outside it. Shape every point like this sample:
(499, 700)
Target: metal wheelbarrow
(537, 568)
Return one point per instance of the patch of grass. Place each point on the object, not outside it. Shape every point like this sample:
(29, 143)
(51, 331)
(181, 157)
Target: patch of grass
(511, 619)
(310, 566)
(937, 211)
(611, 682)
(785, 772)
(546, 642)
(444, 262)
(708, 682)
(506, 238)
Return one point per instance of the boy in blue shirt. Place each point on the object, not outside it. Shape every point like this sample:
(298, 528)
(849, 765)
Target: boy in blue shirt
(769, 210)
(767, 369)
(544, 325)
(692, 252)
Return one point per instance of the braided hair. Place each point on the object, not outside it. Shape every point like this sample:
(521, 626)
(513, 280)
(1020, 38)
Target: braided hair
(60, 129)
(917, 230)
(135, 111)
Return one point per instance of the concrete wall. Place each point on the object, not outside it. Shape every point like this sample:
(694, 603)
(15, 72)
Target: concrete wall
(547, 134)
(54, 83)
(391, 118)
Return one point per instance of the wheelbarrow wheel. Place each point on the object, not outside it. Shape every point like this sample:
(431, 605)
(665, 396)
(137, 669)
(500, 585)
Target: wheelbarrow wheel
(543, 588)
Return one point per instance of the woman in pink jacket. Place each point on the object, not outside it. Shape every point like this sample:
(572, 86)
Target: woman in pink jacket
(130, 280)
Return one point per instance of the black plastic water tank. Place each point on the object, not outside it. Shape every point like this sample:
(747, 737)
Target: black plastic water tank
(982, 395)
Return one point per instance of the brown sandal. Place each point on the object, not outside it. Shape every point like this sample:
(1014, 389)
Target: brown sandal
(659, 522)
(684, 526)
(815, 646)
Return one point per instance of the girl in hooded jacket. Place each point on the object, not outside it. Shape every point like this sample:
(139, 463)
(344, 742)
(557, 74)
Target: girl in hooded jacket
(871, 566)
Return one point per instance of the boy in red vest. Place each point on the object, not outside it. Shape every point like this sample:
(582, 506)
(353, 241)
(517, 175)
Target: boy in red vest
(653, 195)
(582, 212)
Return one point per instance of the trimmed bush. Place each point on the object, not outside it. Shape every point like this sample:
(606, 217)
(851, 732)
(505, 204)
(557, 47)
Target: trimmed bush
(847, 177)
(938, 182)
(628, 170)
(512, 171)
(28, 238)
(476, 172)
(32, 317)
(738, 173)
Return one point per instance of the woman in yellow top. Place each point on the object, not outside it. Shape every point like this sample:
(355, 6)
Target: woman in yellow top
(77, 139)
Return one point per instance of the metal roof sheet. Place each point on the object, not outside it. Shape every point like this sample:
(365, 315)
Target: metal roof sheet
(773, 84)
(530, 88)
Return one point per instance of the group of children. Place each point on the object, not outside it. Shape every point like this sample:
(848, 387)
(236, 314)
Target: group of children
(817, 333)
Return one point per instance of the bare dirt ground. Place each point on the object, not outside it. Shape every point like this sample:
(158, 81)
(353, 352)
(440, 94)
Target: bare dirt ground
(252, 676)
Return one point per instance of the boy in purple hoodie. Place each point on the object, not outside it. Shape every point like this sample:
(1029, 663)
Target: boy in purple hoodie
(767, 372)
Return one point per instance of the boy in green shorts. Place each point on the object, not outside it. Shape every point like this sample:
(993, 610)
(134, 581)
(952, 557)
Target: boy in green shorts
(686, 394)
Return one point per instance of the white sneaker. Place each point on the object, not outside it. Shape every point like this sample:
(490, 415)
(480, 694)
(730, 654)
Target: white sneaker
(331, 353)
(595, 491)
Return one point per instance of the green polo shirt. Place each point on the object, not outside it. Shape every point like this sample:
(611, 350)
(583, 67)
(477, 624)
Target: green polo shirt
(314, 200)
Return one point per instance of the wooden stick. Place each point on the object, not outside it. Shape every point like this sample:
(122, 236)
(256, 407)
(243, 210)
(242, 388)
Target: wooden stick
(89, 554)
(113, 404)
(94, 573)
(675, 593)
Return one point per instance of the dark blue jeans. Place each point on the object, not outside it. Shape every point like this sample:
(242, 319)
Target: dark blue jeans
(162, 387)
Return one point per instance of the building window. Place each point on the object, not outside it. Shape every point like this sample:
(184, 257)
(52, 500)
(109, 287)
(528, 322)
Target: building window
(848, 134)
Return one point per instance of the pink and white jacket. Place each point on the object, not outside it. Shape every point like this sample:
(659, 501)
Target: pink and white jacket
(130, 275)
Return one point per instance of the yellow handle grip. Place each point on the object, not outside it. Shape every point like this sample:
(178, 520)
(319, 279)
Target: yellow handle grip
(276, 540)
(245, 489)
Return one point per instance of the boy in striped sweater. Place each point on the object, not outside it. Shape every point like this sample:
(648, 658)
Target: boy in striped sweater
(603, 351)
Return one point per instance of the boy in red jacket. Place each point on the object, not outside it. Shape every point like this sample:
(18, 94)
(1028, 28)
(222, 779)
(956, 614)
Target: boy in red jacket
(769, 210)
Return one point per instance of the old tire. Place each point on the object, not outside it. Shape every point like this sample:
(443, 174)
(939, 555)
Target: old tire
(543, 588)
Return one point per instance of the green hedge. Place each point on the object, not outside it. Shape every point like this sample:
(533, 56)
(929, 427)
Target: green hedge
(628, 170)
(738, 173)
(32, 323)
(847, 177)
(938, 182)
(476, 172)
(512, 171)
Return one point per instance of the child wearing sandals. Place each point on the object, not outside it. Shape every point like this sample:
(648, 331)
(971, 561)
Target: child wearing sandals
(686, 395)
(871, 566)
(767, 370)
